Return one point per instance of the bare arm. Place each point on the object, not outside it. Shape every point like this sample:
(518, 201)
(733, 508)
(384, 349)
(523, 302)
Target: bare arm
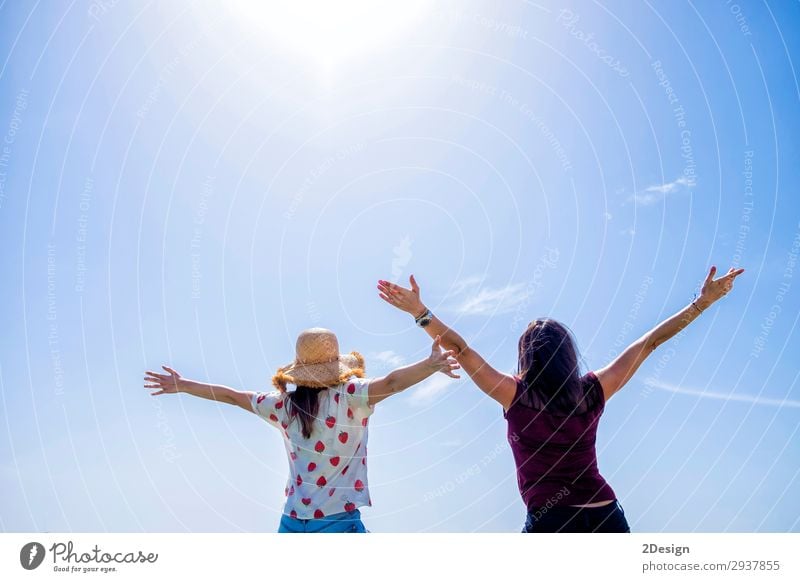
(174, 383)
(615, 375)
(497, 385)
(398, 380)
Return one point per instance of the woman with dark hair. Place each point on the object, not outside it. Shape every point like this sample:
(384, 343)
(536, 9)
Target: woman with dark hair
(552, 410)
(323, 422)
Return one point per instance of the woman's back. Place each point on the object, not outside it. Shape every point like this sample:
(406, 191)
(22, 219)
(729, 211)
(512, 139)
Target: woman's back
(555, 452)
(328, 471)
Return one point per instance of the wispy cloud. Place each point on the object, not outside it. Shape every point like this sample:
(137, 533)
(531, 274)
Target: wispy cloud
(758, 400)
(430, 389)
(467, 284)
(388, 358)
(657, 192)
(478, 300)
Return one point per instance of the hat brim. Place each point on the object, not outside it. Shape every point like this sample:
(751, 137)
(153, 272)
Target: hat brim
(320, 375)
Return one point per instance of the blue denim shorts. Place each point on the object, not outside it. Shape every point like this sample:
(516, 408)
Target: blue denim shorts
(345, 522)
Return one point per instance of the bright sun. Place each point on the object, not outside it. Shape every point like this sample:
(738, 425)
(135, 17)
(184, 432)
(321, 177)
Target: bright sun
(330, 31)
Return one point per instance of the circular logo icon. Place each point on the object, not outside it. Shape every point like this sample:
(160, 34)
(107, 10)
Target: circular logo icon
(31, 555)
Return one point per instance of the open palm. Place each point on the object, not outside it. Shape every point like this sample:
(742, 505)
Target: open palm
(407, 300)
(169, 383)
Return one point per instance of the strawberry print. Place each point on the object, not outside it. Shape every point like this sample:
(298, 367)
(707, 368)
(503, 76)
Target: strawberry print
(339, 439)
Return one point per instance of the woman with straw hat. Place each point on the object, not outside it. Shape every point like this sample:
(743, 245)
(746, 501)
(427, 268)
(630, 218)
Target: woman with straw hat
(323, 422)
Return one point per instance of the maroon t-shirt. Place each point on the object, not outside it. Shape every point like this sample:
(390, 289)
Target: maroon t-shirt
(555, 454)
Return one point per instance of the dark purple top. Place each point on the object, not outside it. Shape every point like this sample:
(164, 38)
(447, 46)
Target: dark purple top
(555, 454)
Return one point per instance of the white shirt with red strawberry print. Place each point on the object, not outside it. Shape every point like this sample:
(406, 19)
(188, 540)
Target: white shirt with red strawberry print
(328, 472)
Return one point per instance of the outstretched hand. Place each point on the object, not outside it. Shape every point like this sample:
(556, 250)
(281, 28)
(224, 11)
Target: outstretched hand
(443, 362)
(715, 289)
(169, 383)
(407, 300)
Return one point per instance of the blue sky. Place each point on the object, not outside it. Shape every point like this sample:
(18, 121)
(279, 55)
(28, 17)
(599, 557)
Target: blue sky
(193, 186)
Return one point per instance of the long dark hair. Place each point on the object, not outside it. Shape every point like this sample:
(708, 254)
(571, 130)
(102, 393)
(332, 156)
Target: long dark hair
(549, 370)
(303, 407)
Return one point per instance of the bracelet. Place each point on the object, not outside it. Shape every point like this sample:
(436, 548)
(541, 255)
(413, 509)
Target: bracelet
(424, 319)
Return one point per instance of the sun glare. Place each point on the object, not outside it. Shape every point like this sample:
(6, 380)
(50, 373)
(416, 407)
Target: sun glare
(330, 31)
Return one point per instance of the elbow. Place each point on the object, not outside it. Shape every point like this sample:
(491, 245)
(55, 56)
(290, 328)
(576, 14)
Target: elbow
(460, 350)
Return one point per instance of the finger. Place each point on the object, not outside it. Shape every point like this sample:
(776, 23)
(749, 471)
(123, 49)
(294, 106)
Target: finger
(155, 374)
(170, 370)
(152, 385)
(157, 393)
(456, 376)
(437, 343)
(710, 276)
(385, 298)
(736, 273)
(414, 286)
(449, 353)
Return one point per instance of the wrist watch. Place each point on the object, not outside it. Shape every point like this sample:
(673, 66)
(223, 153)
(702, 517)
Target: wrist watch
(424, 319)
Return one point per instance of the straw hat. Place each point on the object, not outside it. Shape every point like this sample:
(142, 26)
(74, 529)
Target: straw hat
(318, 363)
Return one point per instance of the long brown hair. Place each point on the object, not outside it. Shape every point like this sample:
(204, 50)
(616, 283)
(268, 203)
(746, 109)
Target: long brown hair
(304, 406)
(549, 369)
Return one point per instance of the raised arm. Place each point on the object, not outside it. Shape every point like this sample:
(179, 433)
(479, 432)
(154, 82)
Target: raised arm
(499, 386)
(615, 375)
(405, 377)
(174, 383)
